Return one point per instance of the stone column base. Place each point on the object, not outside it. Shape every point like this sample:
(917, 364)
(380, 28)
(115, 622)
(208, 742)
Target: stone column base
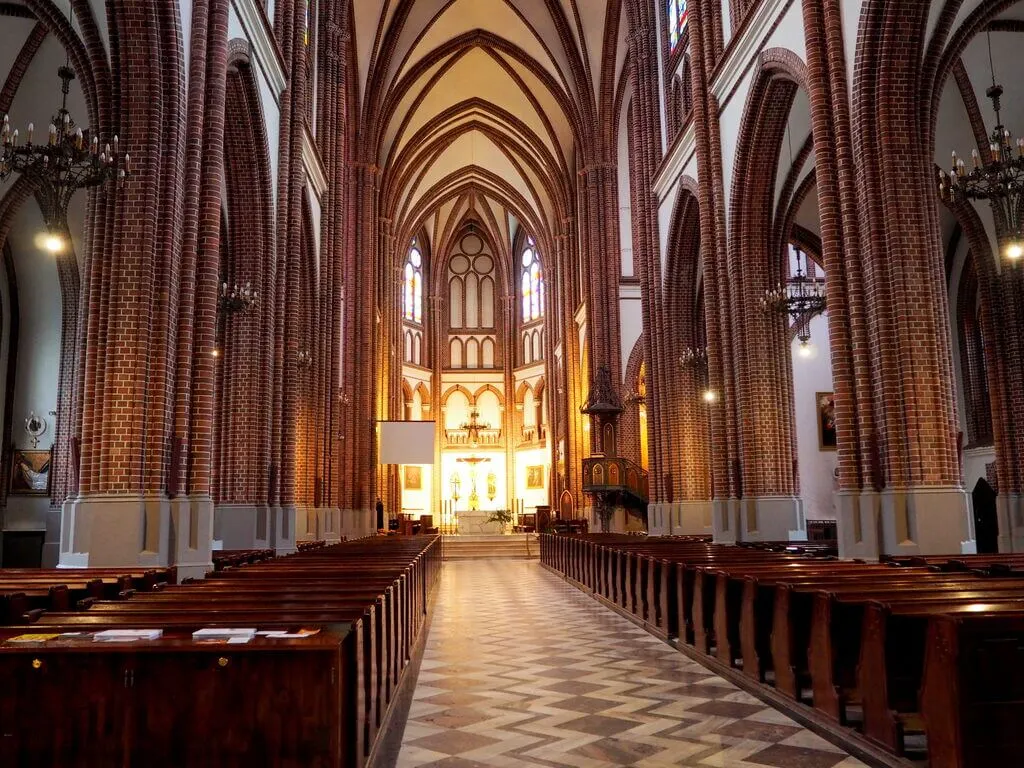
(191, 536)
(242, 526)
(358, 523)
(691, 518)
(1010, 512)
(859, 524)
(926, 521)
(659, 522)
(772, 518)
(282, 529)
(726, 520)
(906, 521)
(307, 526)
(137, 531)
(330, 524)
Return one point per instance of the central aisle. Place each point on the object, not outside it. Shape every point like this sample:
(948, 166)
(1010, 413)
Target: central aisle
(520, 669)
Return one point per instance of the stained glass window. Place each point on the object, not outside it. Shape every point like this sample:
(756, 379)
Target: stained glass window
(532, 283)
(413, 284)
(677, 18)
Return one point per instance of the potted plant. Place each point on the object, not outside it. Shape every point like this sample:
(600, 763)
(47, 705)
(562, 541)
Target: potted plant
(503, 517)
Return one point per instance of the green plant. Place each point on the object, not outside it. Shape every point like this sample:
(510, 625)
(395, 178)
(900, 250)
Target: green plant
(502, 516)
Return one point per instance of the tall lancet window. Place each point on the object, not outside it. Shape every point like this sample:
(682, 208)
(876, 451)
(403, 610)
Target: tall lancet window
(677, 18)
(532, 282)
(413, 304)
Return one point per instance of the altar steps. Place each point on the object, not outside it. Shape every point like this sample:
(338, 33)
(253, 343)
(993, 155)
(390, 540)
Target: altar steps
(484, 547)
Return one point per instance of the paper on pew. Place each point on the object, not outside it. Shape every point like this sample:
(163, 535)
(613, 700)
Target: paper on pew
(224, 633)
(286, 635)
(127, 635)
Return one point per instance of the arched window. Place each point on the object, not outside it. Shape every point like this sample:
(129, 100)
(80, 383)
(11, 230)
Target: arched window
(676, 22)
(413, 304)
(532, 282)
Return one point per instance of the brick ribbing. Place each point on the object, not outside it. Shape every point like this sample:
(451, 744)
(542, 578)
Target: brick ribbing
(913, 383)
(761, 348)
(972, 359)
(840, 248)
(204, 298)
(686, 417)
(726, 480)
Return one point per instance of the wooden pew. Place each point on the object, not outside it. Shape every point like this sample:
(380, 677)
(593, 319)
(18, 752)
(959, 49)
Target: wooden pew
(376, 593)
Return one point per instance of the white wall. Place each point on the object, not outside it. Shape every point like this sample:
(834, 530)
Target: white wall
(817, 467)
(38, 356)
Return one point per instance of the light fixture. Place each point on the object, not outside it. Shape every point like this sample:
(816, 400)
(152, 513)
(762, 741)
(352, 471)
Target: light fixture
(53, 242)
(805, 349)
(70, 159)
(237, 298)
(801, 298)
(215, 352)
(710, 396)
(997, 175)
(695, 359)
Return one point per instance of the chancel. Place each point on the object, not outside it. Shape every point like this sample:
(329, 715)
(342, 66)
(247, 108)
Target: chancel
(505, 382)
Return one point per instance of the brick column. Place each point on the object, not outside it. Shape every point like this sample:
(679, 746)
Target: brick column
(923, 506)
(130, 388)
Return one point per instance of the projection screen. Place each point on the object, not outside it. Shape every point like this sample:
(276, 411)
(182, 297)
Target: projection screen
(406, 442)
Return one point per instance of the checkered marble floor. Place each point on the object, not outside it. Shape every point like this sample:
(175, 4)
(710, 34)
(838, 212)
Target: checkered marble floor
(521, 669)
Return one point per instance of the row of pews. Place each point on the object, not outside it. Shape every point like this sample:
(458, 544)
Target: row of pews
(27, 593)
(316, 693)
(921, 655)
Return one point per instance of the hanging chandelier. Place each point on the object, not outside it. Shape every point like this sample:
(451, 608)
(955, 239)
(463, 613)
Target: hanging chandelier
(70, 159)
(997, 176)
(801, 298)
(237, 298)
(694, 359)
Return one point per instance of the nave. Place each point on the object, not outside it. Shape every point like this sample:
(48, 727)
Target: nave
(521, 669)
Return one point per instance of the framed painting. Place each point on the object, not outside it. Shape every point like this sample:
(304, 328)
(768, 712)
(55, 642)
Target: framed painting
(535, 477)
(413, 477)
(825, 402)
(30, 472)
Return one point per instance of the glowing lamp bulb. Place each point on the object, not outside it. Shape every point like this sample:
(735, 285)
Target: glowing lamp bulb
(805, 349)
(1015, 250)
(710, 396)
(53, 243)
(215, 352)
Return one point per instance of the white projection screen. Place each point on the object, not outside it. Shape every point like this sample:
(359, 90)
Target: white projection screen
(406, 442)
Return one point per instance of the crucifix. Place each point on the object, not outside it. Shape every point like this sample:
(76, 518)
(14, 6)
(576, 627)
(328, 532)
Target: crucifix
(473, 427)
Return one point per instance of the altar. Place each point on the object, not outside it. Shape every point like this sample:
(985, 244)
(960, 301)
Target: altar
(475, 523)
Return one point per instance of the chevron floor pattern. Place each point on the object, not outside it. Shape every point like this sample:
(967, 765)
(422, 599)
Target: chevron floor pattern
(520, 669)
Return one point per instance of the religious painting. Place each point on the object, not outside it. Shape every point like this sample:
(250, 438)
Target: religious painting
(413, 477)
(30, 472)
(535, 477)
(826, 405)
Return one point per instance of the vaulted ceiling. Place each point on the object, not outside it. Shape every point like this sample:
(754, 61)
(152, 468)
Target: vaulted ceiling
(486, 107)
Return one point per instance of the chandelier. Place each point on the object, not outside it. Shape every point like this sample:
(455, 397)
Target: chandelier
(70, 159)
(997, 177)
(694, 359)
(474, 427)
(801, 298)
(237, 298)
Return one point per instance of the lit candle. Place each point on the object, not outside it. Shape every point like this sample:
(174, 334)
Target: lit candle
(31, 129)
(976, 157)
(127, 162)
(14, 137)
(115, 143)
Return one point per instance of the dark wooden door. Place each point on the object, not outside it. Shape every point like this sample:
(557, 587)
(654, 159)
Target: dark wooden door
(986, 521)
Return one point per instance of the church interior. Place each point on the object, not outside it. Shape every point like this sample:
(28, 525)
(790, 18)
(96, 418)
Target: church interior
(511, 383)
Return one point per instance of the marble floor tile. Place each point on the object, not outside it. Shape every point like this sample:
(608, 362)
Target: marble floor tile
(521, 670)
